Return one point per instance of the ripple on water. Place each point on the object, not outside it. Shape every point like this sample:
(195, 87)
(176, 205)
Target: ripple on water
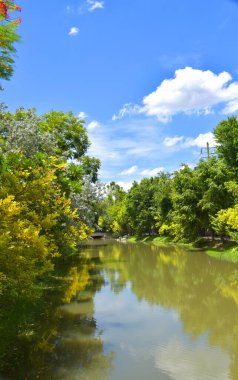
(186, 361)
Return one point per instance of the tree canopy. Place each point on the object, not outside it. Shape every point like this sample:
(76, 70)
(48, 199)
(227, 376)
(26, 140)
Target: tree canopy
(188, 203)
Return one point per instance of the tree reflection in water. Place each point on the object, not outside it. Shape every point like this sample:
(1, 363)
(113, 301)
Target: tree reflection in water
(42, 340)
(44, 337)
(203, 291)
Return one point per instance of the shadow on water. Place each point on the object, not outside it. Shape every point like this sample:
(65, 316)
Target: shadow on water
(41, 339)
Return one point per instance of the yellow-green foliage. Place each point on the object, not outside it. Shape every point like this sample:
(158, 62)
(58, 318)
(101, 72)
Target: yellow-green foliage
(25, 254)
(229, 216)
(37, 223)
(168, 229)
(228, 219)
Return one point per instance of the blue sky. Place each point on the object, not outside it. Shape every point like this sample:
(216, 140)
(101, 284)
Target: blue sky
(152, 78)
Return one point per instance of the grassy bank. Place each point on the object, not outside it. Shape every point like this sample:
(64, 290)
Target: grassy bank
(146, 239)
(227, 251)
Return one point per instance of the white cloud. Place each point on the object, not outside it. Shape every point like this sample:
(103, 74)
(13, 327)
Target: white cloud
(202, 140)
(73, 31)
(82, 115)
(152, 172)
(125, 185)
(117, 143)
(192, 91)
(93, 5)
(93, 125)
(131, 170)
(128, 109)
(191, 166)
(171, 141)
(84, 7)
(123, 142)
(187, 142)
(142, 145)
(231, 107)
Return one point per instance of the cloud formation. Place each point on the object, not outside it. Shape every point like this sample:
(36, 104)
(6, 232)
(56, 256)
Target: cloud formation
(86, 6)
(73, 31)
(187, 142)
(125, 185)
(82, 115)
(93, 5)
(152, 172)
(131, 170)
(137, 148)
(93, 125)
(191, 91)
(172, 141)
(146, 172)
(129, 109)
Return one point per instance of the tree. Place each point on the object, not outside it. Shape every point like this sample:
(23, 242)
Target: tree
(226, 134)
(163, 202)
(37, 223)
(213, 176)
(69, 133)
(57, 134)
(21, 132)
(187, 216)
(38, 182)
(140, 206)
(225, 223)
(8, 37)
(90, 166)
(90, 201)
(113, 217)
(228, 219)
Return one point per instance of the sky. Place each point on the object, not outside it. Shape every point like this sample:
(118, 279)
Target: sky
(151, 78)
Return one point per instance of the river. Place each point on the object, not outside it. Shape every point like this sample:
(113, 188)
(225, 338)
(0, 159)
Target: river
(150, 312)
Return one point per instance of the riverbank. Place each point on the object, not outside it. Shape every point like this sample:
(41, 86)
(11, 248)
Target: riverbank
(227, 251)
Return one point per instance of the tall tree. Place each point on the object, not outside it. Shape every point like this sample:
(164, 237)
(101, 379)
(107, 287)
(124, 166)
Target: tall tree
(226, 134)
(140, 206)
(186, 194)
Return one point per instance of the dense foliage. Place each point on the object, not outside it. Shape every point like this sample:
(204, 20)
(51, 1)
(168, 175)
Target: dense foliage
(186, 204)
(43, 170)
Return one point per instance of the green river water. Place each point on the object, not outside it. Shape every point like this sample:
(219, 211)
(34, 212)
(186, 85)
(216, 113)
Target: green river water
(151, 312)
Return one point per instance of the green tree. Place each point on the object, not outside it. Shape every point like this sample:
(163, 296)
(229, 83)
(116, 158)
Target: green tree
(113, 216)
(39, 180)
(55, 134)
(162, 199)
(140, 206)
(69, 133)
(187, 216)
(213, 176)
(37, 221)
(226, 134)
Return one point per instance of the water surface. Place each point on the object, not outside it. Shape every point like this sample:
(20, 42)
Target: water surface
(150, 312)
